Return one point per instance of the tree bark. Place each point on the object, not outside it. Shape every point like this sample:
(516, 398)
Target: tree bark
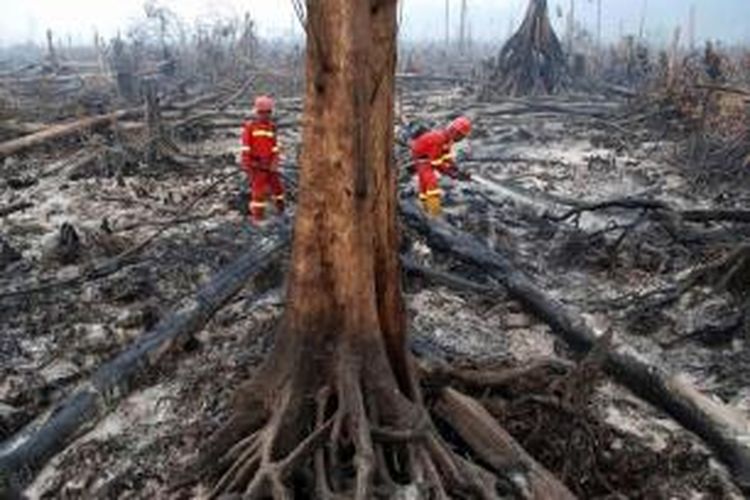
(336, 408)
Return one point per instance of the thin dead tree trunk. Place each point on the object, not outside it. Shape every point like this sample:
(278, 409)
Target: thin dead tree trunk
(598, 32)
(335, 411)
(447, 25)
(571, 27)
(642, 23)
(153, 121)
(51, 53)
(691, 28)
(462, 29)
(673, 69)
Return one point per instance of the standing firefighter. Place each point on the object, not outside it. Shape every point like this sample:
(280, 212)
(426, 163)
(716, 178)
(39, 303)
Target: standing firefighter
(260, 160)
(432, 154)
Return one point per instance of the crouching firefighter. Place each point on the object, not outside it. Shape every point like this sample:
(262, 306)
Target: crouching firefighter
(260, 161)
(432, 153)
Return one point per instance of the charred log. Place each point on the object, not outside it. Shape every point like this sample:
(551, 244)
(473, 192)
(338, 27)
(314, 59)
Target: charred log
(63, 130)
(28, 451)
(720, 427)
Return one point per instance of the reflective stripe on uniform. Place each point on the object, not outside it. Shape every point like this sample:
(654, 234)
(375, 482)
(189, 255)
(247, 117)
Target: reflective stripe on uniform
(431, 193)
(279, 197)
(258, 204)
(263, 133)
(443, 159)
(246, 148)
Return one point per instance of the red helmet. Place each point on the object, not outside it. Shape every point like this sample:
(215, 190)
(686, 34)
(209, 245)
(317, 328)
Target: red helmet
(263, 104)
(460, 126)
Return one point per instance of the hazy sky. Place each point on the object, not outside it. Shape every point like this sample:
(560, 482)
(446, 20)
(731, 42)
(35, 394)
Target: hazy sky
(728, 20)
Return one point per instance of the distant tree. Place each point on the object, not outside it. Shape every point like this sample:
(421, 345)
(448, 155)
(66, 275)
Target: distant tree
(532, 60)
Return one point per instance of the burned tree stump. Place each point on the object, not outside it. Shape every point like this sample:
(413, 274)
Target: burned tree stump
(531, 61)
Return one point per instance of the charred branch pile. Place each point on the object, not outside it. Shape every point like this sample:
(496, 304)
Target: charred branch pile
(31, 448)
(721, 427)
(532, 61)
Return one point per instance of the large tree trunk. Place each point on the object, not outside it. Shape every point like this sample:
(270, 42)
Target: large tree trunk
(531, 61)
(336, 409)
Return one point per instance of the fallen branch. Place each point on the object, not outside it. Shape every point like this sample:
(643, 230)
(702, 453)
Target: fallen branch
(723, 88)
(218, 107)
(25, 453)
(691, 215)
(723, 429)
(417, 77)
(61, 130)
(15, 207)
(451, 280)
(124, 259)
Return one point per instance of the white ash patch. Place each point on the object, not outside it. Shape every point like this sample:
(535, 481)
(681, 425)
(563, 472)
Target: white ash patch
(142, 418)
(444, 324)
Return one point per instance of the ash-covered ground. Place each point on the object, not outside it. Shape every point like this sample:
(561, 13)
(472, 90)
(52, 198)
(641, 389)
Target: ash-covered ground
(528, 162)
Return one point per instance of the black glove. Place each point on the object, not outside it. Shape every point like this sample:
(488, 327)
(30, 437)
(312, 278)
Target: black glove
(463, 176)
(452, 172)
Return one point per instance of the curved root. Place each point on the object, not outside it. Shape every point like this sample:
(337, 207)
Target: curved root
(351, 439)
(361, 437)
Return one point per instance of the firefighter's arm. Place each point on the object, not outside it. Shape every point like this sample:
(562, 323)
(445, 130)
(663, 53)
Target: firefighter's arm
(245, 154)
(444, 160)
(450, 169)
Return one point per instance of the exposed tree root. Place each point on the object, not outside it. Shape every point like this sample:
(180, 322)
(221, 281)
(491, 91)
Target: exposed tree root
(532, 60)
(348, 431)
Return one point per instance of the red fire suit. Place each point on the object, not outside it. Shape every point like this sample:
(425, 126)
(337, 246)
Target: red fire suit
(431, 152)
(260, 161)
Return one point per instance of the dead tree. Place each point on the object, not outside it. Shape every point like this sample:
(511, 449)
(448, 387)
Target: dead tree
(336, 411)
(532, 61)
(124, 66)
(51, 53)
(62, 130)
(154, 129)
(462, 36)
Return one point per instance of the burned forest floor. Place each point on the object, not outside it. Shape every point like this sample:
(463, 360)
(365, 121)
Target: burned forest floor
(108, 245)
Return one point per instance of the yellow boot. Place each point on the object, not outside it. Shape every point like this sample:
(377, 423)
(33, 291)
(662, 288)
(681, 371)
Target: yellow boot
(431, 204)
